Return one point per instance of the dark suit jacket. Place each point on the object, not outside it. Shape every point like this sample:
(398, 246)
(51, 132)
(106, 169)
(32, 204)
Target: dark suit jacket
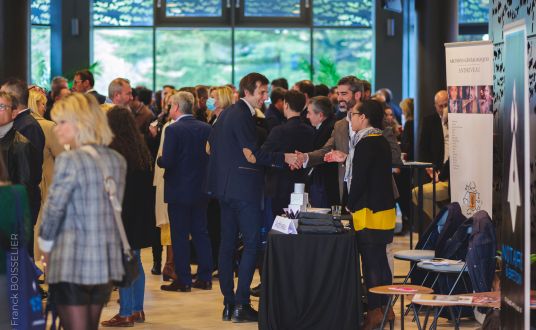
(340, 136)
(326, 174)
(101, 98)
(19, 156)
(273, 118)
(432, 145)
(287, 138)
(185, 161)
(231, 174)
(26, 125)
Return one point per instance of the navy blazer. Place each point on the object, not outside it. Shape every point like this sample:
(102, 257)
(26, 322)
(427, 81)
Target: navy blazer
(288, 137)
(185, 161)
(231, 174)
(100, 98)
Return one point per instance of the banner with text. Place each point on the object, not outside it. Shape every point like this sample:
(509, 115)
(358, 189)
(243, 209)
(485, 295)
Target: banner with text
(515, 224)
(470, 124)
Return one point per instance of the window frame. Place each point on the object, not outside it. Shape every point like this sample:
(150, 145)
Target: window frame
(162, 20)
(304, 20)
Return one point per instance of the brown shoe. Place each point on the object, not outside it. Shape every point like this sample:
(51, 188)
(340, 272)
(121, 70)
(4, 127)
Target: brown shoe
(373, 319)
(118, 321)
(390, 314)
(138, 317)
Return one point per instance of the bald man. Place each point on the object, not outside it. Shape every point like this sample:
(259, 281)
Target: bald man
(434, 136)
(434, 148)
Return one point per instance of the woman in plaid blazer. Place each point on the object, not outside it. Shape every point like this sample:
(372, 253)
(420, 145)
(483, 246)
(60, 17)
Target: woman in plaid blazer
(78, 233)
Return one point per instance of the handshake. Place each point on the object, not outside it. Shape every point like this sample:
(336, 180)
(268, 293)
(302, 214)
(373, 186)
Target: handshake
(295, 160)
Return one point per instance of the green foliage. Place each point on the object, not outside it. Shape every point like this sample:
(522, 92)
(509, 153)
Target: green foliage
(40, 12)
(122, 12)
(272, 52)
(327, 72)
(272, 8)
(187, 57)
(473, 11)
(126, 53)
(40, 56)
(193, 8)
(344, 51)
(342, 13)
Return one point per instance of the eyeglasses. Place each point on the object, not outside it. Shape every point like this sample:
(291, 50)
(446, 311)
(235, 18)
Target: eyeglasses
(355, 113)
(4, 107)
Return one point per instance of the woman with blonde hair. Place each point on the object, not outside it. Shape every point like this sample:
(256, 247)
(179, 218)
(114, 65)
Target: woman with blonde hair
(37, 101)
(79, 237)
(223, 98)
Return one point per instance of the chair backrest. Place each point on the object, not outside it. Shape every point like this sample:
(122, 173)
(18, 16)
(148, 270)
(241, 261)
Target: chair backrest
(442, 228)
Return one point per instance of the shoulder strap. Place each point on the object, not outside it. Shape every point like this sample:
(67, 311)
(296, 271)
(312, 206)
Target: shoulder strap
(110, 188)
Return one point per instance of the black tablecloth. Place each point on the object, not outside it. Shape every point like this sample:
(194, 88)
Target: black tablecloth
(310, 282)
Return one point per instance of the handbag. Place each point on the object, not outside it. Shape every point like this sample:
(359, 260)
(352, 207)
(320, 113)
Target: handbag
(130, 264)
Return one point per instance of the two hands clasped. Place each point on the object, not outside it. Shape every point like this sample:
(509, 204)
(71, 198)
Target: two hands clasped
(296, 160)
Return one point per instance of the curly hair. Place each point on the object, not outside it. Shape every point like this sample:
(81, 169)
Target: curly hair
(128, 141)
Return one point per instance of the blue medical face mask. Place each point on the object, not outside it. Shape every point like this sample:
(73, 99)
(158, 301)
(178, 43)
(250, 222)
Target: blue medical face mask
(211, 104)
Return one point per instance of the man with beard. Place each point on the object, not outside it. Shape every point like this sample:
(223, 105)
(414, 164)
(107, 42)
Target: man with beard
(350, 90)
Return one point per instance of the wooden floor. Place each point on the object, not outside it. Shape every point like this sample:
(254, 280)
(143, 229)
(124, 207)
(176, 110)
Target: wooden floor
(201, 309)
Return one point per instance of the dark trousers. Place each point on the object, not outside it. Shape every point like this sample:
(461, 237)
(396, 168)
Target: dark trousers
(185, 220)
(238, 217)
(376, 271)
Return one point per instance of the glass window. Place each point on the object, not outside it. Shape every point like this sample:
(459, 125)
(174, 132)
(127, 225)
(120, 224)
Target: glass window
(473, 11)
(342, 52)
(342, 13)
(40, 50)
(122, 12)
(473, 37)
(273, 52)
(188, 57)
(193, 8)
(40, 12)
(272, 8)
(126, 53)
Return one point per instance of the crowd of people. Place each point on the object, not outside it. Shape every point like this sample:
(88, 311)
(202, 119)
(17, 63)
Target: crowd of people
(212, 163)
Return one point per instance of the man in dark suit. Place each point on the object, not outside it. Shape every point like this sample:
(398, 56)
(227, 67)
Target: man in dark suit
(185, 177)
(26, 125)
(323, 188)
(83, 83)
(350, 91)
(308, 89)
(432, 144)
(236, 178)
(288, 137)
(274, 115)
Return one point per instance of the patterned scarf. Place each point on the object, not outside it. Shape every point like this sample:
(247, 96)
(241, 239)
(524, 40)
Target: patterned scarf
(352, 143)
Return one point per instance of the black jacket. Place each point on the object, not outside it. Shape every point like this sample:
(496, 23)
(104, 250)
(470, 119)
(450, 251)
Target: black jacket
(20, 157)
(432, 146)
(273, 118)
(326, 174)
(138, 208)
(372, 185)
(481, 253)
(287, 138)
(100, 98)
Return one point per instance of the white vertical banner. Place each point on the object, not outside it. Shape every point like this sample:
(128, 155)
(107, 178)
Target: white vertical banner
(470, 124)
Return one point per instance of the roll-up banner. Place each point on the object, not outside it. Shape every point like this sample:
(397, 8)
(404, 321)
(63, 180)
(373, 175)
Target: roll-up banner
(515, 224)
(470, 124)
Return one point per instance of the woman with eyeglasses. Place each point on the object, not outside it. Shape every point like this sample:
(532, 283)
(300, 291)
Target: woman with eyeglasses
(371, 202)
